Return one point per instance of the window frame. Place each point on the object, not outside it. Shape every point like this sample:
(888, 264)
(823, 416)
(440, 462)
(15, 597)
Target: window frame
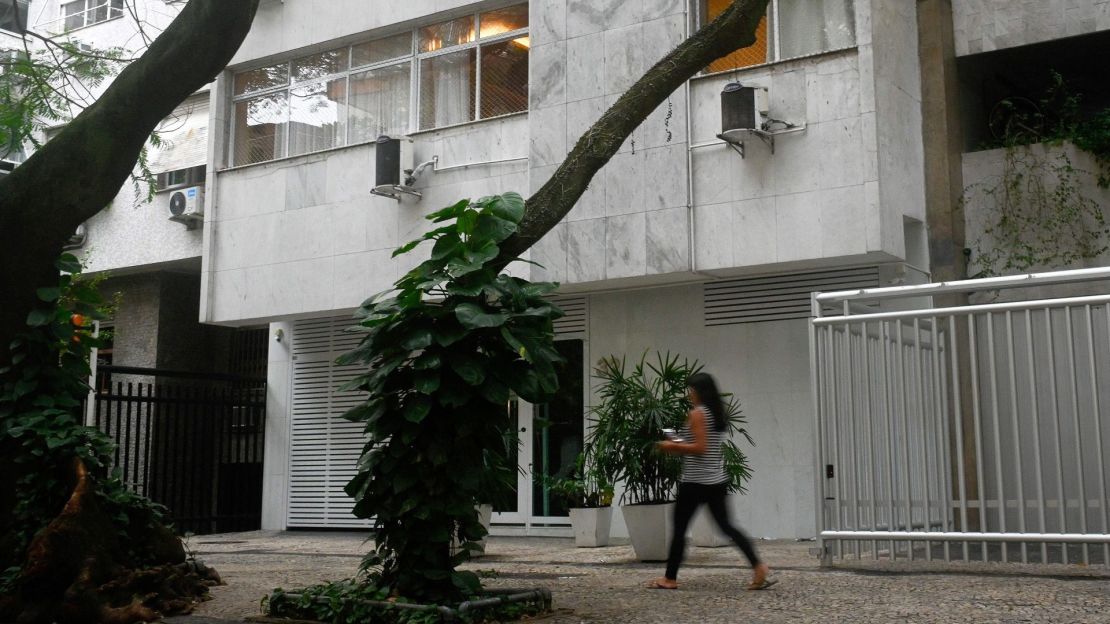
(114, 11)
(774, 47)
(413, 58)
(24, 7)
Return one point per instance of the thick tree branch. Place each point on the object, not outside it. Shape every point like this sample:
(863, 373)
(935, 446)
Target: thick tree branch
(78, 173)
(732, 30)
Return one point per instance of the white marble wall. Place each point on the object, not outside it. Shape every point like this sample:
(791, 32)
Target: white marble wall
(985, 25)
(303, 236)
(764, 364)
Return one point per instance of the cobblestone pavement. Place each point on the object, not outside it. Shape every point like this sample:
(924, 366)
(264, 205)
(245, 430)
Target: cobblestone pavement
(607, 584)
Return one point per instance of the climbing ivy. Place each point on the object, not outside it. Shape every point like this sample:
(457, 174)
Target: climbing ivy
(446, 349)
(42, 428)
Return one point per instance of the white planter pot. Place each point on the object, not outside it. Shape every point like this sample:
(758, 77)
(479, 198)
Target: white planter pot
(591, 526)
(704, 531)
(485, 513)
(650, 528)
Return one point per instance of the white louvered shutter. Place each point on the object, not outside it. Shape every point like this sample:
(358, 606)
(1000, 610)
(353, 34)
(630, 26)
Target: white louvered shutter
(777, 297)
(573, 323)
(324, 448)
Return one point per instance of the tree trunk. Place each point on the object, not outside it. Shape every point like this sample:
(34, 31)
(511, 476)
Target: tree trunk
(80, 171)
(732, 30)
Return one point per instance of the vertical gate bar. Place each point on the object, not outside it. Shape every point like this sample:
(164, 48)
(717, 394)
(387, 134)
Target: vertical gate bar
(977, 417)
(834, 444)
(992, 361)
(888, 402)
(119, 416)
(904, 460)
(852, 398)
(1061, 498)
(211, 469)
(1102, 453)
(919, 391)
(940, 415)
(219, 425)
(1019, 465)
(1095, 409)
(1074, 371)
(869, 428)
(148, 438)
(1037, 450)
(957, 426)
(816, 378)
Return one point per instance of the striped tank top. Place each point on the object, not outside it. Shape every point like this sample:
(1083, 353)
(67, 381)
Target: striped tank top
(709, 467)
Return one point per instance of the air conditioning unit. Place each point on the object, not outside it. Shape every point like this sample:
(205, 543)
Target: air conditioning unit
(187, 205)
(394, 173)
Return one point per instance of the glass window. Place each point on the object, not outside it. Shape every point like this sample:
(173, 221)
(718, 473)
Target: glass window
(380, 50)
(803, 27)
(504, 77)
(317, 117)
(808, 29)
(262, 78)
(447, 34)
(13, 16)
(81, 13)
(260, 127)
(319, 65)
(503, 20)
(379, 102)
(447, 89)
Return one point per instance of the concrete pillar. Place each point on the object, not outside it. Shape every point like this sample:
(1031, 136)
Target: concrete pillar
(275, 480)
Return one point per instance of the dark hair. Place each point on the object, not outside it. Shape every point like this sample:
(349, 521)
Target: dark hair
(707, 391)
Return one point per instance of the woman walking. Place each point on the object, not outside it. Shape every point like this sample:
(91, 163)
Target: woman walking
(704, 480)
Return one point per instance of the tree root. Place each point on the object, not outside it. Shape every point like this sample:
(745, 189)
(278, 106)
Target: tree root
(77, 570)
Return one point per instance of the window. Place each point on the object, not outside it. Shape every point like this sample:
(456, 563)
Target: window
(460, 70)
(13, 16)
(179, 178)
(791, 28)
(81, 13)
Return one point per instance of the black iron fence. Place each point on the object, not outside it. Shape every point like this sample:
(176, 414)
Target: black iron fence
(191, 442)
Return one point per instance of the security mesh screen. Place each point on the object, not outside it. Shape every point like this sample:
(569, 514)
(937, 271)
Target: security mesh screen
(755, 54)
(505, 77)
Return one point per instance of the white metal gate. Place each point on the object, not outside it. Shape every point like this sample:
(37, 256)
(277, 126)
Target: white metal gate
(324, 448)
(970, 432)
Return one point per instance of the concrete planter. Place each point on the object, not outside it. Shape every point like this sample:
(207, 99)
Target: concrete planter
(591, 526)
(485, 513)
(704, 531)
(650, 528)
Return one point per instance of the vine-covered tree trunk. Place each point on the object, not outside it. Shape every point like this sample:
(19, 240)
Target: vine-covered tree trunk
(78, 173)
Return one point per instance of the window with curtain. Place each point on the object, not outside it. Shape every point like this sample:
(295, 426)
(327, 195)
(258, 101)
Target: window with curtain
(81, 13)
(13, 15)
(791, 28)
(435, 75)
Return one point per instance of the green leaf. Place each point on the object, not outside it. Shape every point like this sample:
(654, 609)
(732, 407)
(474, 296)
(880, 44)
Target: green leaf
(426, 382)
(427, 361)
(447, 334)
(468, 368)
(472, 316)
(49, 294)
(407, 247)
(493, 228)
(68, 263)
(448, 245)
(450, 212)
(508, 206)
(417, 408)
(39, 318)
(417, 340)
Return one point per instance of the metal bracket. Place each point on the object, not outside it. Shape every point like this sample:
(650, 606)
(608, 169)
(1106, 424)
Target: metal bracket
(394, 191)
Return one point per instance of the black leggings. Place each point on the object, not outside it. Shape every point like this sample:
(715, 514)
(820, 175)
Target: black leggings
(690, 497)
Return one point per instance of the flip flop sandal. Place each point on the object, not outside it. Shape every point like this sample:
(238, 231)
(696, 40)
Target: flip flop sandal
(657, 585)
(764, 585)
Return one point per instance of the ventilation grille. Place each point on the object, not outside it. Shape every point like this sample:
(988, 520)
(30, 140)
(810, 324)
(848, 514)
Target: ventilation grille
(324, 448)
(575, 316)
(777, 297)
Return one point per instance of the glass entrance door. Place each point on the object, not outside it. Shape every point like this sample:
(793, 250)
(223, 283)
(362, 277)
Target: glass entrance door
(549, 438)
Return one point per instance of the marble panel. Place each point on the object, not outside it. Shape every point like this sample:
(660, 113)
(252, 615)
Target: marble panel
(381, 226)
(625, 246)
(843, 227)
(668, 240)
(230, 291)
(713, 236)
(665, 177)
(548, 132)
(348, 224)
(585, 58)
(547, 21)
(586, 250)
(798, 226)
(580, 116)
(839, 95)
(754, 224)
(714, 176)
(661, 36)
(550, 252)
(654, 9)
(306, 233)
(624, 58)
(306, 184)
(666, 125)
(548, 75)
(348, 174)
(588, 16)
(248, 192)
(842, 145)
(623, 178)
(360, 275)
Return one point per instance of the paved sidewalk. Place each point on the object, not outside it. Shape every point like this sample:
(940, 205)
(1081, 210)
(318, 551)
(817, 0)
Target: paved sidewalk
(606, 584)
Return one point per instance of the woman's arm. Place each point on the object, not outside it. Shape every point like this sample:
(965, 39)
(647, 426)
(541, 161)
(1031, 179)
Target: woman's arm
(696, 422)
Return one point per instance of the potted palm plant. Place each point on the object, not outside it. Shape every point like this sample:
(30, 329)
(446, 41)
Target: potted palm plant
(634, 407)
(589, 495)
